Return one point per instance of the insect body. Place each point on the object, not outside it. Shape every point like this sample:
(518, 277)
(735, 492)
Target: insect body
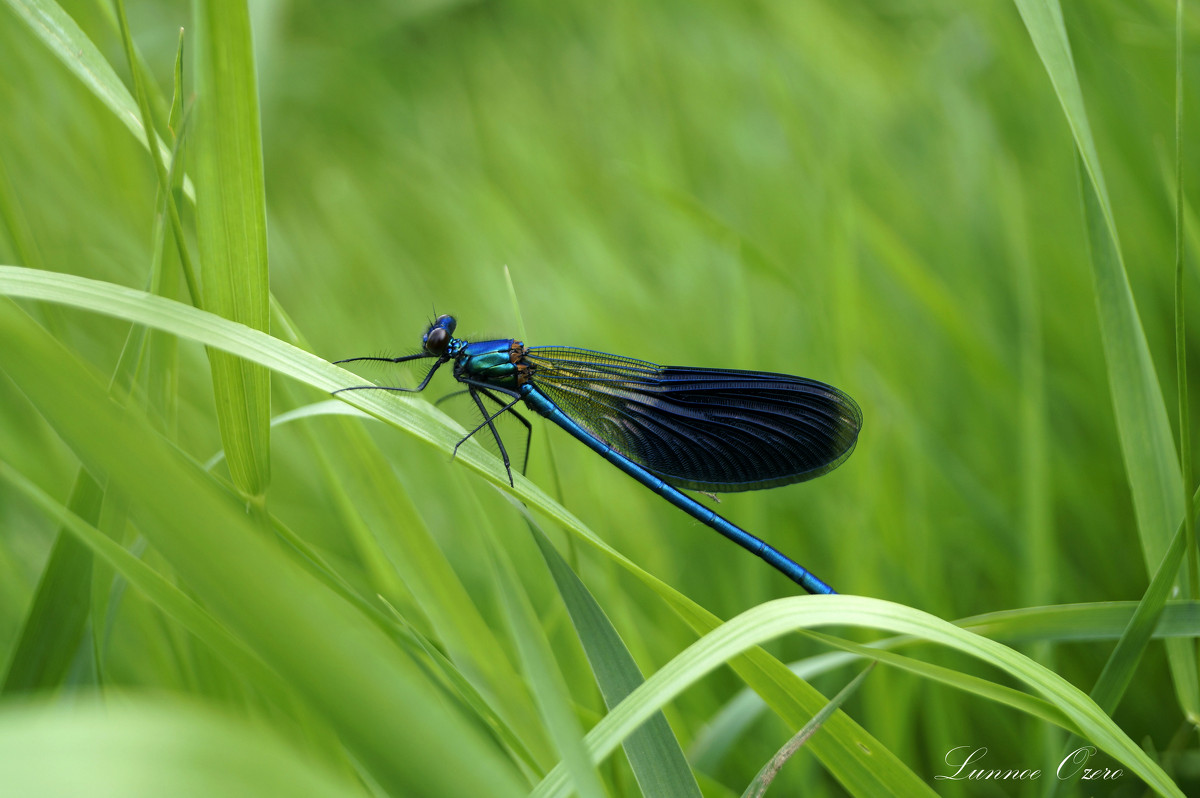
(669, 427)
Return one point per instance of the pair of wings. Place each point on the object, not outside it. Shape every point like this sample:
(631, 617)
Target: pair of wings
(712, 430)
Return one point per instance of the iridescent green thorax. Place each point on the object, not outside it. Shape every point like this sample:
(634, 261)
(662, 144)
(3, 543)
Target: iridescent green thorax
(498, 364)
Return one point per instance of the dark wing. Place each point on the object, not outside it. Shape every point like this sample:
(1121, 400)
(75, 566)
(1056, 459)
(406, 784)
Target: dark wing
(704, 429)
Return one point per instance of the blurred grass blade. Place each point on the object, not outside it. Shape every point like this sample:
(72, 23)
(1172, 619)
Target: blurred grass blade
(549, 687)
(1122, 662)
(768, 621)
(52, 26)
(166, 179)
(1146, 442)
(16, 222)
(231, 226)
(53, 627)
(1151, 462)
(990, 690)
(1118, 670)
(1181, 372)
(856, 759)
(393, 540)
(1044, 21)
(654, 753)
(255, 588)
(328, 407)
(140, 749)
(762, 781)
(1077, 622)
(1145, 432)
(167, 598)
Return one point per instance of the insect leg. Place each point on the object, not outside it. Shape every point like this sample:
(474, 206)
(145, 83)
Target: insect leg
(519, 417)
(418, 389)
(487, 422)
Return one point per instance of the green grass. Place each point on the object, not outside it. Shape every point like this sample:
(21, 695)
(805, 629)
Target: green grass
(963, 216)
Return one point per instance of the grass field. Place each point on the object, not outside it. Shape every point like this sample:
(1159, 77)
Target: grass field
(215, 579)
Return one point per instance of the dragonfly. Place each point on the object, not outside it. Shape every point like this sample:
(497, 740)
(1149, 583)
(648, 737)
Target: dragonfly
(672, 428)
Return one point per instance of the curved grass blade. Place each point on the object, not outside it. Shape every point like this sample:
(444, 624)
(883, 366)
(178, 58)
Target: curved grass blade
(768, 621)
(1065, 623)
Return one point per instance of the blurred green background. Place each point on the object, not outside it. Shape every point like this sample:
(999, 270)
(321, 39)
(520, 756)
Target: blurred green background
(881, 196)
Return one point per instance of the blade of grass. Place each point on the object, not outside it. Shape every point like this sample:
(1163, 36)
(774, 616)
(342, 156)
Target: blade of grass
(394, 539)
(466, 691)
(1118, 670)
(1063, 623)
(654, 753)
(52, 26)
(168, 598)
(12, 214)
(1185, 416)
(231, 227)
(53, 626)
(549, 687)
(880, 651)
(156, 158)
(1080, 622)
(1147, 445)
(1122, 662)
(762, 781)
(1152, 451)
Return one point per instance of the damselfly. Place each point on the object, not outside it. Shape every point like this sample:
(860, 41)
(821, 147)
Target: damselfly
(668, 427)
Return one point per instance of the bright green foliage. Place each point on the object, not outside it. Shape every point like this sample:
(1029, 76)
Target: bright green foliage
(961, 214)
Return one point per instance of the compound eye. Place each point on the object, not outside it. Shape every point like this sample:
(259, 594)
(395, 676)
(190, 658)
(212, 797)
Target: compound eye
(447, 323)
(436, 341)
